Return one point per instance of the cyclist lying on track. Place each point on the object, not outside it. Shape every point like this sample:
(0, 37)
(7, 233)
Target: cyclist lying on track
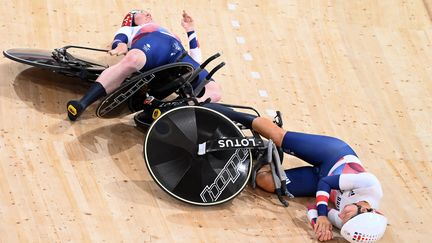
(336, 175)
(146, 45)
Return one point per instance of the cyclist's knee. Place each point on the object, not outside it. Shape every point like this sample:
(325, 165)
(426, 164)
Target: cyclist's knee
(266, 128)
(339, 145)
(134, 60)
(214, 91)
(277, 135)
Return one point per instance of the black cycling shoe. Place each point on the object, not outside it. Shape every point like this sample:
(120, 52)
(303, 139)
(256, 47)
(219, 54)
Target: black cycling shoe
(74, 109)
(136, 102)
(145, 118)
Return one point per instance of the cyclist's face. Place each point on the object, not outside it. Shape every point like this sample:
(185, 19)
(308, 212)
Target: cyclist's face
(143, 17)
(348, 212)
(351, 210)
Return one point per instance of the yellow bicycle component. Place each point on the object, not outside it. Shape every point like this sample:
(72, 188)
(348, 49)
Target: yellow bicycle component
(72, 110)
(156, 114)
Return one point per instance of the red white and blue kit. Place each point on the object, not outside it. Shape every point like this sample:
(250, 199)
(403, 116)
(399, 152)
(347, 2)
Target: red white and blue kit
(160, 46)
(335, 173)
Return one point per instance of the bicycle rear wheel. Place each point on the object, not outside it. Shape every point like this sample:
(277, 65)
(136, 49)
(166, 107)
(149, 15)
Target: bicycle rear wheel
(171, 155)
(34, 57)
(84, 68)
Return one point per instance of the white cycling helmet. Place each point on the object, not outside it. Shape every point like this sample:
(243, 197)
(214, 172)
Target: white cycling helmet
(365, 227)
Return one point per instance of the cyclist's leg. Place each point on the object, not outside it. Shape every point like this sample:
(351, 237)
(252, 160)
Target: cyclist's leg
(211, 90)
(269, 130)
(108, 81)
(240, 117)
(316, 150)
(112, 77)
(301, 181)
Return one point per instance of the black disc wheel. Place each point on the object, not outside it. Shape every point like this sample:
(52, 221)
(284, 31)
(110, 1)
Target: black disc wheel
(80, 67)
(34, 57)
(171, 155)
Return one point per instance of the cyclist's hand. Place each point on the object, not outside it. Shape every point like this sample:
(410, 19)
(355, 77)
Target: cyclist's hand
(187, 22)
(323, 229)
(121, 49)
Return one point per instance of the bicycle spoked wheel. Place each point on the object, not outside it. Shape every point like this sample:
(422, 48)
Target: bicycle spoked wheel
(171, 154)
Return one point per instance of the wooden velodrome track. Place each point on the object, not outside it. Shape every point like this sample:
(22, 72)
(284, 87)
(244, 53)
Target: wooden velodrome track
(358, 70)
